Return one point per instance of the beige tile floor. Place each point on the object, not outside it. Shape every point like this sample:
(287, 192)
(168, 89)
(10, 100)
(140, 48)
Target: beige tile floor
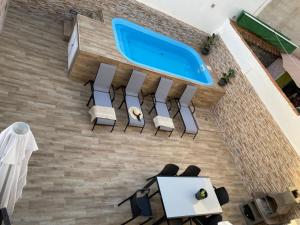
(78, 176)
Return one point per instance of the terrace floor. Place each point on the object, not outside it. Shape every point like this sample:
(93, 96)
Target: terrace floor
(78, 176)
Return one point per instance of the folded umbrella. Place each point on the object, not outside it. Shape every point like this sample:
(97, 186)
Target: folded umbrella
(16, 146)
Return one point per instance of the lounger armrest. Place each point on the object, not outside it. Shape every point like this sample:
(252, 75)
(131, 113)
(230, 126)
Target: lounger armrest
(169, 100)
(193, 115)
(141, 94)
(177, 102)
(113, 93)
(193, 111)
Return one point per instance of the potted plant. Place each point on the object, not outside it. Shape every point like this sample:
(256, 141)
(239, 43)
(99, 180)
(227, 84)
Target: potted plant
(201, 194)
(211, 40)
(225, 79)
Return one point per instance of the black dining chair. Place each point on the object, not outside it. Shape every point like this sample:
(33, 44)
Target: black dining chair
(222, 195)
(168, 170)
(140, 205)
(191, 171)
(169, 221)
(210, 220)
(4, 218)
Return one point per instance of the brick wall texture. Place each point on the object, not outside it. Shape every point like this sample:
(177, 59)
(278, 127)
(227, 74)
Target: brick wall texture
(265, 158)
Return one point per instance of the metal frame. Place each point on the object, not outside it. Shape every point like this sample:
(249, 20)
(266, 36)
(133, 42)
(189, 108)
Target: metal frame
(154, 107)
(4, 218)
(124, 101)
(192, 112)
(91, 82)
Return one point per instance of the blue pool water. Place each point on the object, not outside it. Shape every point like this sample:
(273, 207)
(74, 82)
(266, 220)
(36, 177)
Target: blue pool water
(158, 52)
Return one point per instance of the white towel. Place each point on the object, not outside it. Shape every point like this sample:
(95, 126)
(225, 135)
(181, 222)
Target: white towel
(224, 223)
(162, 121)
(102, 112)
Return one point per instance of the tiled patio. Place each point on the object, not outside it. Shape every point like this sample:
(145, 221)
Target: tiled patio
(78, 175)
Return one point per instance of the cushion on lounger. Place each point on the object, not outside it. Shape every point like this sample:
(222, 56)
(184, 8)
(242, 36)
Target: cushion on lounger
(102, 99)
(162, 109)
(188, 120)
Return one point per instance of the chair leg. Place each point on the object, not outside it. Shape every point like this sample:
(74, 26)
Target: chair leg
(123, 201)
(89, 100)
(150, 178)
(146, 221)
(156, 131)
(153, 194)
(94, 124)
(128, 220)
(160, 220)
(188, 220)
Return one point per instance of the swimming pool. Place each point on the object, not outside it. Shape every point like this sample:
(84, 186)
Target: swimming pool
(158, 52)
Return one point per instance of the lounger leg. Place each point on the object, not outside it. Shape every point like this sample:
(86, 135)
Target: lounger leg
(176, 114)
(94, 124)
(121, 103)
(183, 133)
(151, 109)
(142, 129)
(195, 136)
(126, 127)
(171, 133)
(89, 100)
(113, 126)
(156, 130)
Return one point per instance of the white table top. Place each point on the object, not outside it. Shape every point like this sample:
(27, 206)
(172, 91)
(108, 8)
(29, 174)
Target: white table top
(178, 196)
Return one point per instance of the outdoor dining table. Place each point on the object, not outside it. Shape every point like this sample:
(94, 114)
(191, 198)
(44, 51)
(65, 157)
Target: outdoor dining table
(178, 197)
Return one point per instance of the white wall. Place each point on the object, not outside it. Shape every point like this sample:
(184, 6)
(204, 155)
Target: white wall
(201, 15)
(276, 104)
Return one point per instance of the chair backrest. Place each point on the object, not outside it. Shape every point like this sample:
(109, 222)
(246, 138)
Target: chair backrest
(191, 171)
(140, 204)
(187, 95)
(135, 83)
(214, 219)
(104, 77)
(163, 89)
(169, 170)
(222, 195)
(211, 220)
